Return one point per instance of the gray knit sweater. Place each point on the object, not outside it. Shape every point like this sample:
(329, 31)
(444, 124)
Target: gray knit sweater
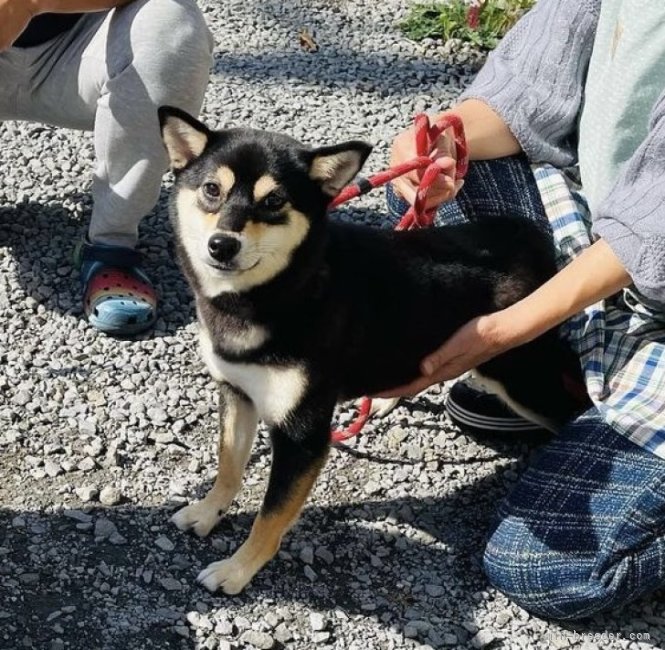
(535, 81)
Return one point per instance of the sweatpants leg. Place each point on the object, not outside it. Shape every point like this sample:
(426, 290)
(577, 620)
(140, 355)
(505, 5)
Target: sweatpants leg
(109, 74)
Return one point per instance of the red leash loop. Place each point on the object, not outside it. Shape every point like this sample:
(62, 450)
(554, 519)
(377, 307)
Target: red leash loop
(417, 216)
(427, 135)
(339, 435)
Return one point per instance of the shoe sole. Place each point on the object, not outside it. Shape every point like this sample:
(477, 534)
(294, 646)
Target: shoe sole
(124, 330)
(465, 418)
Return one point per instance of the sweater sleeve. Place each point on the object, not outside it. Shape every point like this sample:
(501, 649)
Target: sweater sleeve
(534, 79)
(631, 219)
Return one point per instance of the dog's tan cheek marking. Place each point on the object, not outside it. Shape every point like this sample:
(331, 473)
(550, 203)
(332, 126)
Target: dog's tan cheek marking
(298, 226)
(226, 178)
(189, 211)
(210, 219)
(263, 186)
(280, 236)
(192, 219)
(254, 231)
(189, 206)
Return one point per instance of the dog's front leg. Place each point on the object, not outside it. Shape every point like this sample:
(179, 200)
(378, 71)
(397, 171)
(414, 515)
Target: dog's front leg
(300, 448)
(237, 421)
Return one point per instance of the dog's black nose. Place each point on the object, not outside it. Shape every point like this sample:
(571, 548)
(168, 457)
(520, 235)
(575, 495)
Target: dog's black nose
(223, 248)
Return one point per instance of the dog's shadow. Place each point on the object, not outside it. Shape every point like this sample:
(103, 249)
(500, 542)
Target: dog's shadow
(404, 562)
(375, 572)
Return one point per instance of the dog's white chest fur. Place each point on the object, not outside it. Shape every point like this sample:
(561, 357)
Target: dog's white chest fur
(275, 391)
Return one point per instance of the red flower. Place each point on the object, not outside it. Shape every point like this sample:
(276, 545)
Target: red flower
(473, 16)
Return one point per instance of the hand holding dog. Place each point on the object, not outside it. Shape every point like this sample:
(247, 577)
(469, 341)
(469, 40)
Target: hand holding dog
(14, 18)
(445, 187)
(474, 343)
(595, 274)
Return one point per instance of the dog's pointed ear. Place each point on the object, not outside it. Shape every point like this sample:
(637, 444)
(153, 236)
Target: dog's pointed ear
(336, 166)
(184, 136)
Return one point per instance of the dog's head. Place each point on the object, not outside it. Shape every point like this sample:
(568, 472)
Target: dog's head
(245, 201)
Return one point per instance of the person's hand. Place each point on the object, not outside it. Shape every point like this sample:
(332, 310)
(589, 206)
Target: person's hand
(474, 343)
(444, 187)
(14, 18)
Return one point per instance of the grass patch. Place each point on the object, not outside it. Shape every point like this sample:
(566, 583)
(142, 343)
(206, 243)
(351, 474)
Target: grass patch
(484, 24)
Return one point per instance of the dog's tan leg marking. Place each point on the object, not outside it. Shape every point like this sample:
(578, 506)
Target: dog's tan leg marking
(238, 422)
(381, 406)
(233, 574)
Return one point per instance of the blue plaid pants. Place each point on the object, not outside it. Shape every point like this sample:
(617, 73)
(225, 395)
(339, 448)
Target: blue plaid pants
(584, 529)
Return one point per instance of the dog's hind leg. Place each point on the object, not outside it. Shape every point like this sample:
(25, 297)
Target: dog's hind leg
(382, 406)
(300, 449)
(238, 421)
(541, 380)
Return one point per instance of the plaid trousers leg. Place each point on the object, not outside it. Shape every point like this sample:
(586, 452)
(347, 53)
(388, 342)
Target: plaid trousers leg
(584, 529)
(504, 187)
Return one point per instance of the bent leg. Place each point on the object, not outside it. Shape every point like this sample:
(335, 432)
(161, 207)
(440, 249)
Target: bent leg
(109, 74)
(583, 531)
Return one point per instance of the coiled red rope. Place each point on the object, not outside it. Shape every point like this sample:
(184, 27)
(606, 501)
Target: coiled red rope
(417, 216)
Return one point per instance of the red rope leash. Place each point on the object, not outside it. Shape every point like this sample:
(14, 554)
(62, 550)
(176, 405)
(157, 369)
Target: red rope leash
(417, 216)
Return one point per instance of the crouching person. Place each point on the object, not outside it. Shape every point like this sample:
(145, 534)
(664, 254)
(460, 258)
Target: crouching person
(105, 66)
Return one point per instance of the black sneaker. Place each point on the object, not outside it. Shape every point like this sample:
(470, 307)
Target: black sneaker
(477, 412)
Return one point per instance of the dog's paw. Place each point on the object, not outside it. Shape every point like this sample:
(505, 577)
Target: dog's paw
(230, 575)
(381, 406)
(201, 517)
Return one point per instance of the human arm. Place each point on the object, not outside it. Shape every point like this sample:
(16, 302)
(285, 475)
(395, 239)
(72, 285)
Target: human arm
(631, 217)
(72, 6)
(594, 275)
(526, 97)
(16, 14)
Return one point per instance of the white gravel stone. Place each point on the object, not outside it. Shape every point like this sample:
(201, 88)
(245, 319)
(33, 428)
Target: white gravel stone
(110, 496)
(483, 638)
(164, 543)
(87, 493)
(317, 621)
(259, 640)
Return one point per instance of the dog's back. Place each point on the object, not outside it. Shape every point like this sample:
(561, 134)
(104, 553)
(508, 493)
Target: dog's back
(399, 295)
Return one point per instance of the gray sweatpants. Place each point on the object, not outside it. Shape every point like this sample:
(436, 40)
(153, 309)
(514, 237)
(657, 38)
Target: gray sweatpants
(108, 75)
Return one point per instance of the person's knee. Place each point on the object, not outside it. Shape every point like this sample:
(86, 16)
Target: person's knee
(168, 25)
(549, 584)
(171, 49)
(177, 31)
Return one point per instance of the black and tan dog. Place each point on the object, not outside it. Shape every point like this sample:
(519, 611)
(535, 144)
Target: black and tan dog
(297, 312)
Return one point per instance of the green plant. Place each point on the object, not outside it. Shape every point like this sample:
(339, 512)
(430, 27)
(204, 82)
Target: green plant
(483, 24)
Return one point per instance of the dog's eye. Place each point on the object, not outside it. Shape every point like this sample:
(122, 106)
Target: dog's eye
(211, 190)
(273, 202)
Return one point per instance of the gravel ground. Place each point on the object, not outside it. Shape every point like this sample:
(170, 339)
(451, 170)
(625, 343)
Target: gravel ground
(100, 440)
